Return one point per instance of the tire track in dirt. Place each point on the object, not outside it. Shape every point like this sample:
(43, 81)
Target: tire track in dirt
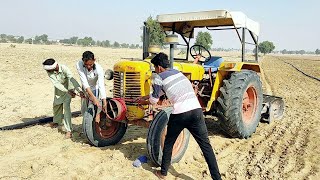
(295, 147)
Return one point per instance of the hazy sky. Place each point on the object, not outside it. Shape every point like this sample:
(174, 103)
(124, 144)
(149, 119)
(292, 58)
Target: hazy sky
(290, 24)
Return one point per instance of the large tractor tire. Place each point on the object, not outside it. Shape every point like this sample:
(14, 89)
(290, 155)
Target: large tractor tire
(102, 133)
(240, 103)
(156, 136)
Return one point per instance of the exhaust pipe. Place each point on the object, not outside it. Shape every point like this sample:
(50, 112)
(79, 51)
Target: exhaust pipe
(145, 41)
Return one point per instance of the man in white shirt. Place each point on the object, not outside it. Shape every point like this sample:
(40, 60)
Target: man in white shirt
(92, 79)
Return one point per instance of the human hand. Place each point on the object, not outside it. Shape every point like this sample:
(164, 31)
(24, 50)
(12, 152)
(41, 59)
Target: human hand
(82, 94)
(137, 99)
(72, 93)
(104, 105)
(95, 101)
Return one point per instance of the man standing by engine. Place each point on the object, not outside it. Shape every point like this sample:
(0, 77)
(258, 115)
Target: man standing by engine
(92, 80)
(187, 113)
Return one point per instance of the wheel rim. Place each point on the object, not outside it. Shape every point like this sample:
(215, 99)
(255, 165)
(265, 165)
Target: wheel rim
(106, 128)
(177, 145)
(249, 104)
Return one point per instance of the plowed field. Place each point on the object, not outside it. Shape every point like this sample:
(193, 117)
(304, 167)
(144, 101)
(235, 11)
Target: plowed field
(285, 149)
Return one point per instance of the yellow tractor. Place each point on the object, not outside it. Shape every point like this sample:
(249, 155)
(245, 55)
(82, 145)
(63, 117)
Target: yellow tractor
(230, 90)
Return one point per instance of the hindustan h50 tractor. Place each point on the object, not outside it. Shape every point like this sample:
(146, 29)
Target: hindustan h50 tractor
(232, 91)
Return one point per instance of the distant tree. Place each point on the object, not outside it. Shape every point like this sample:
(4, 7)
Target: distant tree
(93, 43)
(43, 39)
(266, 47)
(132, 46)
(156, 32)
(65, 41)
(20, 39)
(99, 43)
(204, 39)
(80, 42)
(124, 45)
(301, 52)
(317, 51)
(284, 51)
(116, 44)
(3, 36)
(11, 39)
(105, 43)
(137, 46)
(86, 41)
(73, 40)
(3, 41)
(28, 41)
(36, 40)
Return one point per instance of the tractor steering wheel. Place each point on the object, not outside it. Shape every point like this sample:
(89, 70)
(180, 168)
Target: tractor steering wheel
(202, 51)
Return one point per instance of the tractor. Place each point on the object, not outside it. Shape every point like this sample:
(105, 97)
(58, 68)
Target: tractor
(231, 91)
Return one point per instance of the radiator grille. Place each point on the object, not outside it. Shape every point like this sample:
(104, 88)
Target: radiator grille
(126, 85)
(117, 85)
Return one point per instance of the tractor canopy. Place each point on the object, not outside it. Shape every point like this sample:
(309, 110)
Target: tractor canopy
(184, 23)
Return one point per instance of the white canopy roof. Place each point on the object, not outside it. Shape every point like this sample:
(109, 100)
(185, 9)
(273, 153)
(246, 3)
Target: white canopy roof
(183, 23)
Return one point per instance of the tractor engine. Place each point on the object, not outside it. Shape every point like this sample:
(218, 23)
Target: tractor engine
(132, 80)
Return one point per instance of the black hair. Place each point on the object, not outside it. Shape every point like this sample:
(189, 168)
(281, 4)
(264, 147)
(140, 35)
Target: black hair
(87, 55)
(49, 62)
(161, 59)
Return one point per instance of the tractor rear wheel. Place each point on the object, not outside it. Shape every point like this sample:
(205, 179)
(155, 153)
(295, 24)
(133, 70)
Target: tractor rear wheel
(156, 136)
(103, 132)
(240, 103)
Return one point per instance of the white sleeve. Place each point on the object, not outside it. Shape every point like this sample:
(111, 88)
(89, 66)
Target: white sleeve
(83, 78)
(102, 88)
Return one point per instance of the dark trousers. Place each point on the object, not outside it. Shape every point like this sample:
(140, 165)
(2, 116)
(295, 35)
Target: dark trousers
(194, 121)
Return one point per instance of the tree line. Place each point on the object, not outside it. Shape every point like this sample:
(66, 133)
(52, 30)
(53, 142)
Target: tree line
(157, 37)
(317, 52)
(86, 41)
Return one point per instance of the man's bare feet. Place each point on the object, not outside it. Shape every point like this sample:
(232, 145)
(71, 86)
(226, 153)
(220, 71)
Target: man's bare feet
(68, 135)
(159, 175)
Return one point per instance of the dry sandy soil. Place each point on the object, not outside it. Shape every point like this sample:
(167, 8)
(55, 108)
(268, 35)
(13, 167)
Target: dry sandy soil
(286, 149)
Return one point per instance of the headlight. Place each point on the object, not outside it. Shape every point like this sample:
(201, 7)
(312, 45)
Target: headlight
(108, 75)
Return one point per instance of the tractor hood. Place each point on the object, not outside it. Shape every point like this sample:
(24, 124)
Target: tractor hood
(192, 71)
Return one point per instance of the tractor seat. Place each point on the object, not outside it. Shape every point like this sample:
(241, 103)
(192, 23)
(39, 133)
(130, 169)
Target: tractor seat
(213, 63)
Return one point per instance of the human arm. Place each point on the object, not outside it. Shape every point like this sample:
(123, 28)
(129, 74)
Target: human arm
(92, 97)
(85, 83)
(153, 98)
(83, 77)
(101, 86)
(56, 83)
(197, 59)
(72, 83)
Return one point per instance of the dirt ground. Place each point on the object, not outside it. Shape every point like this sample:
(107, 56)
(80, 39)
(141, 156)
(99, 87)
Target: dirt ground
(286, 149)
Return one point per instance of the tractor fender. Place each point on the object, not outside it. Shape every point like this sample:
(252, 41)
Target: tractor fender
(225, 69)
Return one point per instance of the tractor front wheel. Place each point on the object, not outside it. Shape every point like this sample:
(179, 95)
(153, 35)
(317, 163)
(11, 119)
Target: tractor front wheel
(102, 131)
(156, 136)
(240, 103)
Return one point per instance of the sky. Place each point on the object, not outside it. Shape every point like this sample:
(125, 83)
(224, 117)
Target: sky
(289, 24)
